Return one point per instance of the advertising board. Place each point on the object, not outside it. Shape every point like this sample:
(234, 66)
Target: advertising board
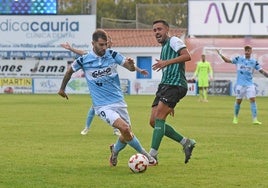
(39, 33)
(227, 17)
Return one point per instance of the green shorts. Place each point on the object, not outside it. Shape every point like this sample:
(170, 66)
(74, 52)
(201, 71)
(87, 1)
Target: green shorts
(203, 82)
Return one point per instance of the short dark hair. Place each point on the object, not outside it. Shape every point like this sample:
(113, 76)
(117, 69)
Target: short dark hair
(99, 33)
(247, 47)
(161, 21)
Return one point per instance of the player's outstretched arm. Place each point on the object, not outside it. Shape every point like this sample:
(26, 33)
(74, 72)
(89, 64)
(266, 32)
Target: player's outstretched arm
(67, 46)
(129, 64)
(142, 71)
(264, 73)
(225, 59)
(183, 57)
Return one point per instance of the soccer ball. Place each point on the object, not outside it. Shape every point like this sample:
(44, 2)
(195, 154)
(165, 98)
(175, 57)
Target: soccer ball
(138, 163)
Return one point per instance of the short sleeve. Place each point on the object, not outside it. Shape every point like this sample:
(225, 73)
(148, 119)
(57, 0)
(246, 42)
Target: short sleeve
(176, 44)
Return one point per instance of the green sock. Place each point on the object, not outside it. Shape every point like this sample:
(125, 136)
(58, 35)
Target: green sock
(201, 93)
(158, 133)
(205, 94)
(171, 133)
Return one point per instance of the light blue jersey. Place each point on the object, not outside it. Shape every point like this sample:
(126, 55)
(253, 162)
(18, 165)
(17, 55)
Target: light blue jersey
(244, 69)
(102, 76)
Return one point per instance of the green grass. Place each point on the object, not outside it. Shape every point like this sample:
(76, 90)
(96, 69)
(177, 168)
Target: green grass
(41, 145)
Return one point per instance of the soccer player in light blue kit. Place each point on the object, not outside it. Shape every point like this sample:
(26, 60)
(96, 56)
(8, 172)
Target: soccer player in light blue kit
(100, 68)
(245, 66)
(91, 112)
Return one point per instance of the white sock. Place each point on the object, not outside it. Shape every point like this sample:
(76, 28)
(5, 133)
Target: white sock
(153, 152)
(183, 141)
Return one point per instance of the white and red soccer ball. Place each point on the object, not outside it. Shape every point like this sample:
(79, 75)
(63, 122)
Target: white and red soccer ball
(138, 163)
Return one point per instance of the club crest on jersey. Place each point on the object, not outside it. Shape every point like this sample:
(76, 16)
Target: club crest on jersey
(102, 72)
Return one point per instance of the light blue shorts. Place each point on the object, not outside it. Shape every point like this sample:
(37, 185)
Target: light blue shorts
(245, 91)
(112, 112)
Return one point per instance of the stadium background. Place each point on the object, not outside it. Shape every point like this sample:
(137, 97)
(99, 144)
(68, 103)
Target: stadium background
(32, 60)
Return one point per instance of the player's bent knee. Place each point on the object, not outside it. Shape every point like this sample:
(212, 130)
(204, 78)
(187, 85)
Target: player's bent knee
(125, 130)
(126, 133)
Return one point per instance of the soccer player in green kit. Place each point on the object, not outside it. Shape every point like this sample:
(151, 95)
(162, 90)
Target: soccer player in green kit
(172, 88)
(203, 72)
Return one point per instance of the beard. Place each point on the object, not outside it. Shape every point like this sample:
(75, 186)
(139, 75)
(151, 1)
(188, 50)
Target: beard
(99, 52)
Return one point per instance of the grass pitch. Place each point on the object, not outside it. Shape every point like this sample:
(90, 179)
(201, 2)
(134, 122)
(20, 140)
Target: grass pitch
(41, 145)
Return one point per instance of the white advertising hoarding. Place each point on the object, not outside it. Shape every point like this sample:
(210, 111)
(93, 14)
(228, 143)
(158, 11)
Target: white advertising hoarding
(229, 17)
(52, 86)
(33, 68)
(136, 87)
(46, 32)
(149, 87)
